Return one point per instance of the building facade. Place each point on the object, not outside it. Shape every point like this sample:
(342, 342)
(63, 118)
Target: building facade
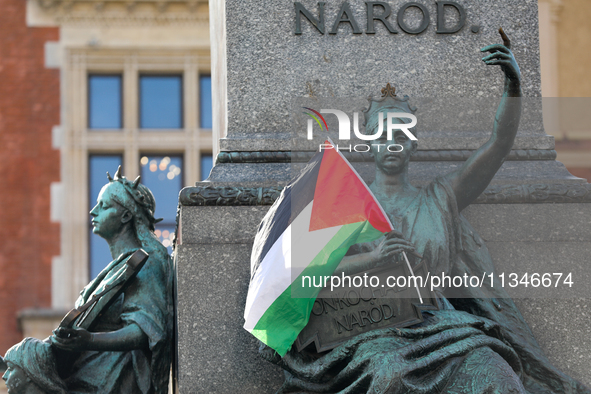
(87, 86)
(565, 30)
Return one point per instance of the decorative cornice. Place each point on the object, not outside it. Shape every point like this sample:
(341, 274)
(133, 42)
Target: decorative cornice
(220, 196)
(497, 194)
(430, 155)
(125, 12)
(536, 194)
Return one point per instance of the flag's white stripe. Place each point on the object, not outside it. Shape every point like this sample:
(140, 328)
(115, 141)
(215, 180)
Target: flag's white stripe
(275, 273)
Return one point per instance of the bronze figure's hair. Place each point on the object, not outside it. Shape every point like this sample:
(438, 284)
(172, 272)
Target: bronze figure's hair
(138, 200)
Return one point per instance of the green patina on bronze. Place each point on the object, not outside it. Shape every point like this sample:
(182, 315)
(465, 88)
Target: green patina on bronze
(127, 346)
(475, 344)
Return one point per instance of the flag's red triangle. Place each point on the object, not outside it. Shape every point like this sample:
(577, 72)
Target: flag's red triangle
(341, 197)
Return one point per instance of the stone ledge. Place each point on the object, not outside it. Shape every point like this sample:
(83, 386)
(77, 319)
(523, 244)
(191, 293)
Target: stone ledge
(205, 195)
(426, 155)
(118, 12)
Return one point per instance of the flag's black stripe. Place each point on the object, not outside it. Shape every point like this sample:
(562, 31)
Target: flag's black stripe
(295, 197)
(304, 186)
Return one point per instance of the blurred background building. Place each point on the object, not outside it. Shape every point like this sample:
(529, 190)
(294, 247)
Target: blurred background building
(565, 39)
(88, 85)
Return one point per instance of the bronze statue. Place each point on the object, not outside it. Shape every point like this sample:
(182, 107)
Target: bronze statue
(476, 344)
(126, 345)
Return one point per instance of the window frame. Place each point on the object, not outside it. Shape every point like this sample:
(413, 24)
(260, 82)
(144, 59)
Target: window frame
(88, 101)
(182, 100)
(70, 270)
(200, 106)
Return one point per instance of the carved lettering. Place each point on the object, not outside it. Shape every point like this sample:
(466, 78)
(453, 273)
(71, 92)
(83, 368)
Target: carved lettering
(337, 316)
(369, 297)
(333, 304)
(315, 309)
(345, 11)
(340, 301)
(441, 29)
(389, 314)
(371, 17)
(424, 23)
(379, 317)
(364, 316)
(354, 300)
(354, 320)
(346, 326)
(373, 8)
(317, 23)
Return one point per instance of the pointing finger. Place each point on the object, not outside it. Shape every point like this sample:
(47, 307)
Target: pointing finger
(495, 62)
(506, 40)
(495, 48)
(496, 55)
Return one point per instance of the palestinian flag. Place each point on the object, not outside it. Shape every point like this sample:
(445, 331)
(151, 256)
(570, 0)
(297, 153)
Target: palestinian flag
(307, 232)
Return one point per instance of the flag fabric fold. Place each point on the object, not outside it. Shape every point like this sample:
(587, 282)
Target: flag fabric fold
(306, 233)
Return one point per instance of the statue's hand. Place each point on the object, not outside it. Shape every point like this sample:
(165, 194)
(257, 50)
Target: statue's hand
(392, 244)
(72, 339)
(501, 55)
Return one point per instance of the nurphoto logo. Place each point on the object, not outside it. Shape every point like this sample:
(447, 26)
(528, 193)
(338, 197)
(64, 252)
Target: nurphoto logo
(393, 122)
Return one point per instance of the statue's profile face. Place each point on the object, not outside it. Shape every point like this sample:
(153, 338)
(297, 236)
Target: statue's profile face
(108, 216)
(16, 379)
(393, 162)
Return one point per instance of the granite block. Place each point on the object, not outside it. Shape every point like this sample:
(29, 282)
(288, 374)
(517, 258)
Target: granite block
(561, 327)
(531, 223)
(224, 225)
(215, 354)
(251, 172)
(544, 258)
(268, 65)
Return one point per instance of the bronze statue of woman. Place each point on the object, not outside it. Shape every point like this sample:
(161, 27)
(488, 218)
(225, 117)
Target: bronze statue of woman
(476, 344)
(129, 348)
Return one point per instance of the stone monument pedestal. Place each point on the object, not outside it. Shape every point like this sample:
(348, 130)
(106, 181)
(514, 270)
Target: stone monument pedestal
(534, 215)
(213, 268)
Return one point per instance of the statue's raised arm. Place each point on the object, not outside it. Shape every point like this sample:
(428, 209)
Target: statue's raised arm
(474, 176)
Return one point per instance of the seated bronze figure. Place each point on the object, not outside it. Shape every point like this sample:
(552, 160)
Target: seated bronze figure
(476, 344)
(120, 346)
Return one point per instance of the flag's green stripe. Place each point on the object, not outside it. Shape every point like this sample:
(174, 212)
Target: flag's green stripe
(289, 313)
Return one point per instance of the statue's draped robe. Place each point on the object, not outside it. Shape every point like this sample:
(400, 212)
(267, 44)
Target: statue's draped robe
(478, 344)
(148, 303)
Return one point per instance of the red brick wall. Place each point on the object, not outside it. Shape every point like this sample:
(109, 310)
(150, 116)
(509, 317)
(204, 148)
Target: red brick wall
(29, 107)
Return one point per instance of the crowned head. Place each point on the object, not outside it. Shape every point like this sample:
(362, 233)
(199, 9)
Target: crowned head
(388, 102)
(133, 196)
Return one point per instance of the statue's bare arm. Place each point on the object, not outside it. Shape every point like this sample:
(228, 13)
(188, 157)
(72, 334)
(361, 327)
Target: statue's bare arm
(474, 176)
